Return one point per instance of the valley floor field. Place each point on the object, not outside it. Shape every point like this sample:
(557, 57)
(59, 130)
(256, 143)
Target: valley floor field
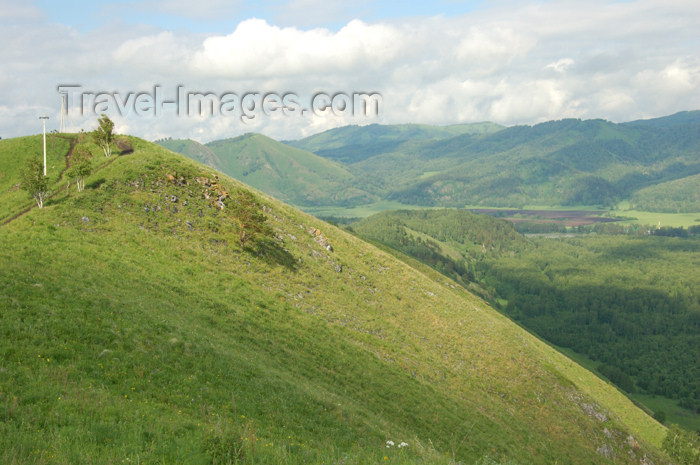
(565, 216)
(568, 218)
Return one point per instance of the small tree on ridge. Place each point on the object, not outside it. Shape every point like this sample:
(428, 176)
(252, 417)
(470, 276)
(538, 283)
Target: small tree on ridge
(103, 134)
(80, 166)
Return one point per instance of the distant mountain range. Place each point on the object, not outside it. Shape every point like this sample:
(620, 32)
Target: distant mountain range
(654, 164)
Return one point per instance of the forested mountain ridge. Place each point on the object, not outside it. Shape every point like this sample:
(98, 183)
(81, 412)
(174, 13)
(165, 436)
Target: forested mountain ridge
(568, 162)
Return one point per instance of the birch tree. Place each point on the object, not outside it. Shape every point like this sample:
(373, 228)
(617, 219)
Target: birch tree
(34, 181)
(80, 166)
(103, 135)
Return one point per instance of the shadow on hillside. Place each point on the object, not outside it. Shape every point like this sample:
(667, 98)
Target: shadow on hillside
(272, 254)
(95, 184)
(53, 201)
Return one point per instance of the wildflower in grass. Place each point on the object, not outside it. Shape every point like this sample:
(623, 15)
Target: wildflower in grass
(390, 443)
(403, 444)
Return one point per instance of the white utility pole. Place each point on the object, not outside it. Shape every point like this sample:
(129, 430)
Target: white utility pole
(44, 118)
(64, 111)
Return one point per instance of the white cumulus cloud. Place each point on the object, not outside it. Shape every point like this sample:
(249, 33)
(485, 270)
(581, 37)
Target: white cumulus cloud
(509, 63)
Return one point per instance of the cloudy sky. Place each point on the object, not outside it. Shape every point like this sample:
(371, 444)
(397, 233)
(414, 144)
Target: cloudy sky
(439, 62)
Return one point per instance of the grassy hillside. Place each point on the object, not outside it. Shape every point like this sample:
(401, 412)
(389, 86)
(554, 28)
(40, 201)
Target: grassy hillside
(138, 326)
(287, 173)
(630, 303)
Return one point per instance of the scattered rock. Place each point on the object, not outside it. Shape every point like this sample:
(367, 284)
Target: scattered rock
(177, 180)
(85, 219)
(607, 433)
(606, 451)
(338, 268)
(320, 239)
(590, 410)
(632, 442)
(213, 191)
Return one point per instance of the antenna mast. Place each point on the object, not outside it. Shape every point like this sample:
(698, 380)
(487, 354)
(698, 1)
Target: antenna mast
(64, 111)
(43, 119)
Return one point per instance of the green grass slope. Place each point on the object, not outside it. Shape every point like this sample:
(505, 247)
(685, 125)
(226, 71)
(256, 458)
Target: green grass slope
(136, 328)
(630, 303)
(287, 173)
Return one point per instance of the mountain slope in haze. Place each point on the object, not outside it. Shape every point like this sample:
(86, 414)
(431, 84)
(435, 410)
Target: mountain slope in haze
(557, 163)
(139, 324)
(677, 196)
(192, 149)
(350, 144)
(287, 173)
(569, 162)
(676, 119)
